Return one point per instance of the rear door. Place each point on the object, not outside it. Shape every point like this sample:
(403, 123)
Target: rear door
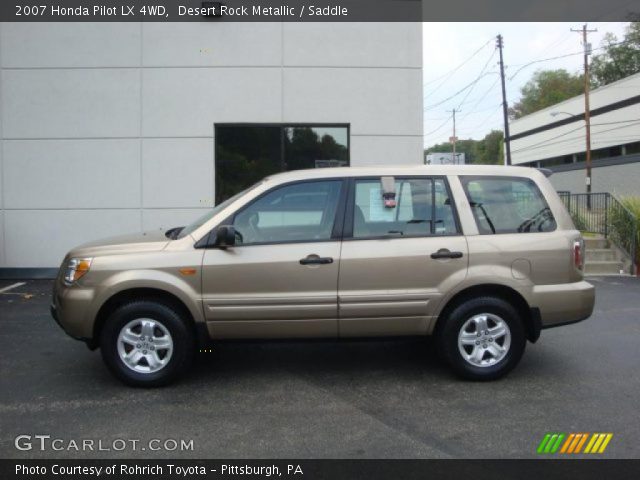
(397, 262)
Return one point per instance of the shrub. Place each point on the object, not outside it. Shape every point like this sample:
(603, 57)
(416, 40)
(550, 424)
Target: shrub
(621, 223)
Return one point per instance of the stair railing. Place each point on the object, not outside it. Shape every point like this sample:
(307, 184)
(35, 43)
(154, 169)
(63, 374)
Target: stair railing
(604, 214)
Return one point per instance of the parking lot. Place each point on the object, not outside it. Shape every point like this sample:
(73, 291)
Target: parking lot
(356, 399)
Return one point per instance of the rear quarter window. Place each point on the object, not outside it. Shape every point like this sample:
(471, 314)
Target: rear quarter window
(508, 205)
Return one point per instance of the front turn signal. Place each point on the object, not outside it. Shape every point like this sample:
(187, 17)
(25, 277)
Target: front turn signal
(76, 269)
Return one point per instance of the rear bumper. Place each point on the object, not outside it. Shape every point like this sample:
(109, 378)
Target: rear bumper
(563, 304)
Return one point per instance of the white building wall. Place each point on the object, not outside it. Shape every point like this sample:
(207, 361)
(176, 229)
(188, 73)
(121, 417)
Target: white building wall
(107, 128)
(621, 180)
(613, 128)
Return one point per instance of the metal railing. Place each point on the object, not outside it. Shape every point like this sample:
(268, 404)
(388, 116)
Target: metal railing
(604, 214)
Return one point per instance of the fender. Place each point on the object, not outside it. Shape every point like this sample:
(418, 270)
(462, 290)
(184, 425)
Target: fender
(154, 279)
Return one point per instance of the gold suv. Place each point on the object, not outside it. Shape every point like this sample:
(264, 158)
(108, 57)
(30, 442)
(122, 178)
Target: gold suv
(481, 257)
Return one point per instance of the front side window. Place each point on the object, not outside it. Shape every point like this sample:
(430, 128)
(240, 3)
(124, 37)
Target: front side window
(423, 207)
(508, 205)
(300, 212)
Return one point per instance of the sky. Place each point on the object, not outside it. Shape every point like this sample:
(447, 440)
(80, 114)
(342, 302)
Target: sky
(472, 45)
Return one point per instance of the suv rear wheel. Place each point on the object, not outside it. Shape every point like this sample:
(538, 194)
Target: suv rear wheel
(482, 338)
(146, 343)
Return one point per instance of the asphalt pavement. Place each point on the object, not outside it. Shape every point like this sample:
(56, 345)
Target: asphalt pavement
(349, 399)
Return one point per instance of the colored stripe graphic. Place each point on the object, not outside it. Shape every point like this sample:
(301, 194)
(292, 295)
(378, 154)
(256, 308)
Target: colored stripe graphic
(598, 443)
(605, 443)
(556, 445)
(551, 443)
(572, 443)
(591, 442)
(567, 442)
(543, 443)
(581, 443)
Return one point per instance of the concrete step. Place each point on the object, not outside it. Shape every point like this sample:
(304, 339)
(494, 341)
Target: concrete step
(602, 267)
(595, 242)
(600, 254)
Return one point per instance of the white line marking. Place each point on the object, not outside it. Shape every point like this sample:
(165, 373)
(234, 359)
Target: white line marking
(11, 287)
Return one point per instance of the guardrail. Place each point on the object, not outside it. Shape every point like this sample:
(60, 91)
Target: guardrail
(604, 214)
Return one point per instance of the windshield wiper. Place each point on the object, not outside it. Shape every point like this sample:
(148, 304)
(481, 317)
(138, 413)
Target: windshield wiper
(541, 215)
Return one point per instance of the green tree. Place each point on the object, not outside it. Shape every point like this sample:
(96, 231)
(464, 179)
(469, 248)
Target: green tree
(546, 88)
(619, 59)
(487, 151)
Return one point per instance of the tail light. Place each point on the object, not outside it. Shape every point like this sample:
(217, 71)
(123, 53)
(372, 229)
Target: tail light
(578, 254)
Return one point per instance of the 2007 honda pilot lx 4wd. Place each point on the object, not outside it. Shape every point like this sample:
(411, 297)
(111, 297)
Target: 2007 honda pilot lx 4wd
(481, 257)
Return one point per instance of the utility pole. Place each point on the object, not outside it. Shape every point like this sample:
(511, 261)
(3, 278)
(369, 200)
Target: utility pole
(587, 109)
(505, 106)
(454, 138)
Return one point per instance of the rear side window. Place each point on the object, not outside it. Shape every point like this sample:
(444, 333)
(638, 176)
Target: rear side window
(508, 205)
(423, 209)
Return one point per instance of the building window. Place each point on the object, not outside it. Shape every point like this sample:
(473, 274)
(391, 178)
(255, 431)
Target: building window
(552, 162)
(632, 148)
(246, 153)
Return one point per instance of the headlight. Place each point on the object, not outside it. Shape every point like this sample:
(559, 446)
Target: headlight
(76, 268)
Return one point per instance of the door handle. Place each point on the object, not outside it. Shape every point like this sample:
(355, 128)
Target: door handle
(314, 259)
(445, 253)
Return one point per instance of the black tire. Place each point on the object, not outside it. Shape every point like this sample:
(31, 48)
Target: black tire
(181, 334)
(447, 338)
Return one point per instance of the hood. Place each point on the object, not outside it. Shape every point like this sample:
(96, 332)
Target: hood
(133, 243)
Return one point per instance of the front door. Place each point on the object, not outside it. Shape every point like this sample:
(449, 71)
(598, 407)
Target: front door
(280, 279)
(397, 262)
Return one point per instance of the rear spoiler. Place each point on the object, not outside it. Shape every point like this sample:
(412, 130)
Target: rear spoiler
(545, 171)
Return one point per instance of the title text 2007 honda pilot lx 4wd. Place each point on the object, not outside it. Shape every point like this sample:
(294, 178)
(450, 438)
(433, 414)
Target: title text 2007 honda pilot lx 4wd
(481, 257)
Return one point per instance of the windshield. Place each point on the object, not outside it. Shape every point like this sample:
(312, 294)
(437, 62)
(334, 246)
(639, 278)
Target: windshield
(211, 213)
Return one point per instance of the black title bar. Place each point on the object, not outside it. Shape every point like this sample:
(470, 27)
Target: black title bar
(317, 10)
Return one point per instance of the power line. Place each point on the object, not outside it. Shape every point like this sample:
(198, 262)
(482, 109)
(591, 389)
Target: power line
(486, 119)
(546, 141)
(525, 65)
(563, 38)
(430, 107)
(455, 69)
(440, 127)
(480, 99)
(579, 137)
(616, 122)
(632, 122)
(484, 68)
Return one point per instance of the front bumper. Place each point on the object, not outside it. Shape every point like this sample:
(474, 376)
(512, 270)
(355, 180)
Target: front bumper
(69, 308)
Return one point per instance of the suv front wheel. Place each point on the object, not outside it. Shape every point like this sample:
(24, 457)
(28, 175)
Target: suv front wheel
(146, 343)
(482, 338)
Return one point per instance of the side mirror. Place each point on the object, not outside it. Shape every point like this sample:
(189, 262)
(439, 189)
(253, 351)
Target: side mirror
(225, 236)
